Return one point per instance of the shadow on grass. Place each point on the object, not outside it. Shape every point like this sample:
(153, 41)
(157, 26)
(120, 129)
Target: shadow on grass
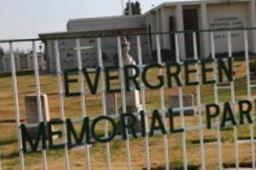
(245, 138)
(10, 121)
(10, 155)
(227, 129)
(206, 140)
(176, 165)
(19, 73)
(241, 165)
(173, 167)
(8, 141)
(53, 94)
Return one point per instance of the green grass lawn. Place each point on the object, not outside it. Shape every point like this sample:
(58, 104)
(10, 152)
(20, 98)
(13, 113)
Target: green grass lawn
(8, 139)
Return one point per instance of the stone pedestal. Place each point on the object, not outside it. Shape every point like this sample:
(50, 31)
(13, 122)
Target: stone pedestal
(188, 100)
(32, 111)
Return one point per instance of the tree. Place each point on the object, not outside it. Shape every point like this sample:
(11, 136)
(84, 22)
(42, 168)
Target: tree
(135, 6)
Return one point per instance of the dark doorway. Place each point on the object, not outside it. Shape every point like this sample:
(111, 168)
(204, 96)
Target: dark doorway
(190, 18)
(172, 37)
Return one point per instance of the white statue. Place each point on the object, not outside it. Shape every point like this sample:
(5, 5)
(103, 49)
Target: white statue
(132, 97)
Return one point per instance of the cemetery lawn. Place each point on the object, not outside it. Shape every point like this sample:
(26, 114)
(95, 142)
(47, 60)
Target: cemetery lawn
(8, 139)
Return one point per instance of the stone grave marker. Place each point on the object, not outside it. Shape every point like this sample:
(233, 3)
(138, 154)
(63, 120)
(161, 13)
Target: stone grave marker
(188, 100)
(32, 111)
(111, 103)
(253, 77)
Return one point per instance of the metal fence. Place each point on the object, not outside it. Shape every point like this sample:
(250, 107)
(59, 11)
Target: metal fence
(199, 127)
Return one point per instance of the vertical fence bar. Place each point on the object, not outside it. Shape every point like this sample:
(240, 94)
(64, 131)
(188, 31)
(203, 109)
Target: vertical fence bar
(0, 158)
(38, 94)
(123, 93)
(28, 62)
(82, 91)
(216, 101)
(1, 163)
(233, 100)
(4, 63)
(182, 116)
(162, 100)
(41, 61)
(17, 109)
(249, 93)
(199, 109)
(61, 98)
(144, 104)
(103, 98)
(18, 62)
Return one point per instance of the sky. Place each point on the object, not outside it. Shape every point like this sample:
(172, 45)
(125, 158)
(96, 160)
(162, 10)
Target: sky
(26, 18)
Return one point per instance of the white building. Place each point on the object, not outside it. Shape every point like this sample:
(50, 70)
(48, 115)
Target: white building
(167, 17)
(203, 15)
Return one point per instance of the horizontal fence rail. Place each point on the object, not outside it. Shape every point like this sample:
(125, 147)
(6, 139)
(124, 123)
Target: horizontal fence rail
(118, 33)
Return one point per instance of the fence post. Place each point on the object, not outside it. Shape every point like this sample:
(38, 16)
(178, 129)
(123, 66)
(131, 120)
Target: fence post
(233, 100)
(82, 91)
(162, 100)
(104, 108)
(199, 109)
(17, 109)
(249, 93)
(181, 107)
(143, 99)
(123, 93)
(38, 94)
(216, 101)
(61, 98)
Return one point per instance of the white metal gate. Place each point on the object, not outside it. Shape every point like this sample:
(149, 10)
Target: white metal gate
(198, 107)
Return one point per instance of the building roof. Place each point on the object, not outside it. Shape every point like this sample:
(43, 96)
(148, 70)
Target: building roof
(90, 34)
(106, 23)
(100, 27)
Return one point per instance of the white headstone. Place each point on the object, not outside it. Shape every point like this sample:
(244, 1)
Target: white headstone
(32, 110)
